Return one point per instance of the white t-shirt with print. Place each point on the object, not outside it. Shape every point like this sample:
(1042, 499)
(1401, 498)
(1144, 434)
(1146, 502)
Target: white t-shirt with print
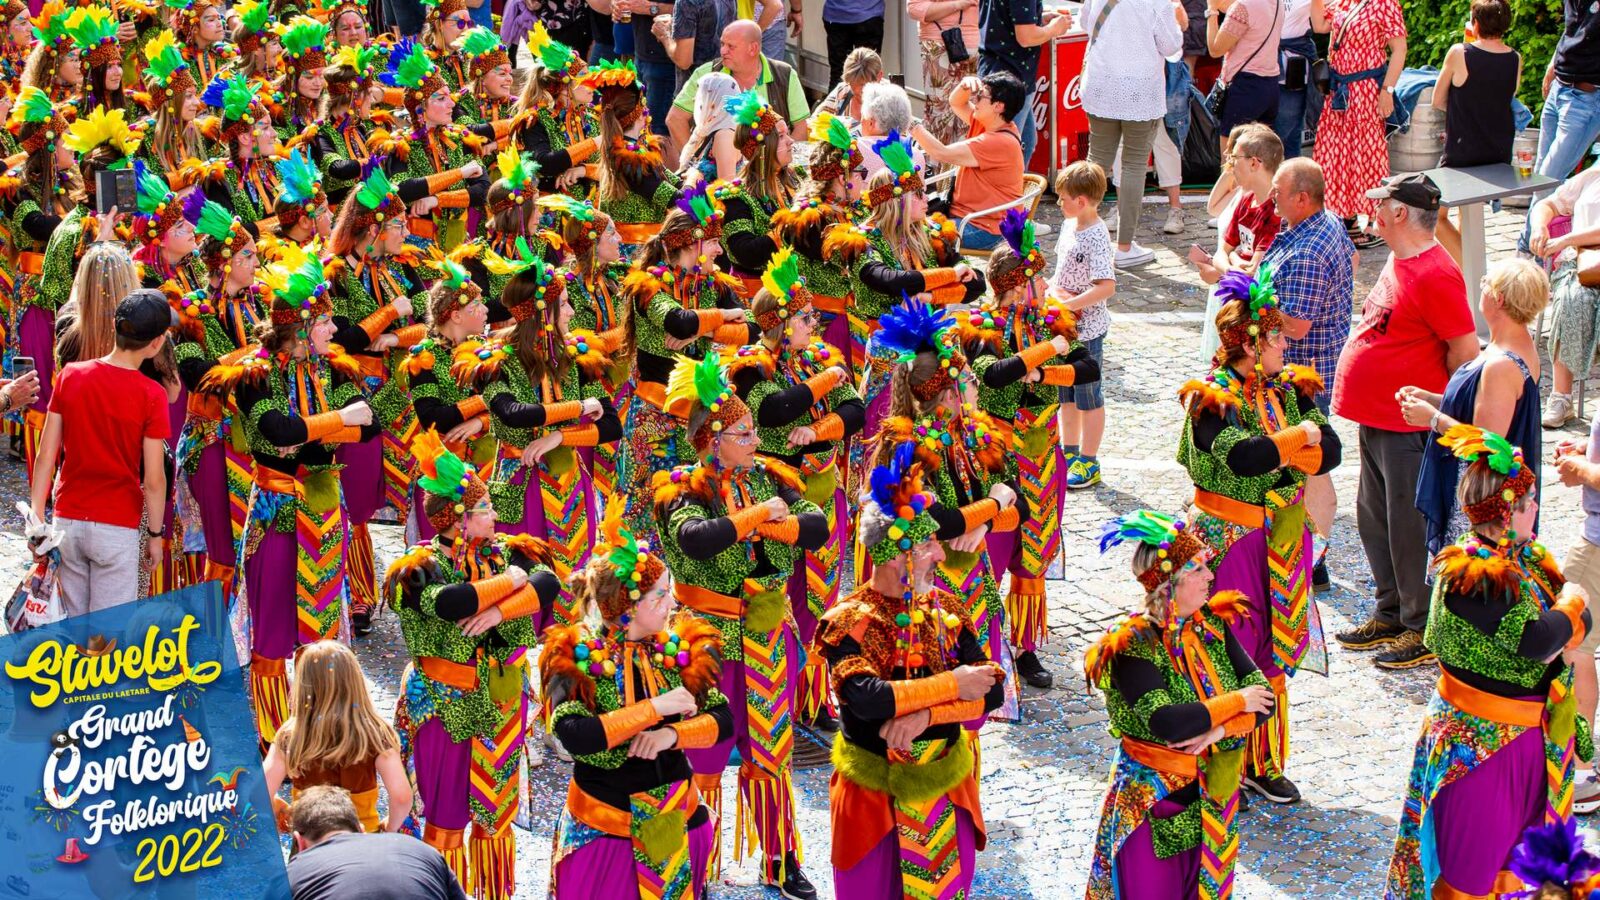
(1082, 258)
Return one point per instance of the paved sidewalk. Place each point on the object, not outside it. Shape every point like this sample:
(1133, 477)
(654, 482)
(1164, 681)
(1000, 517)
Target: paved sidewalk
(1043, 779)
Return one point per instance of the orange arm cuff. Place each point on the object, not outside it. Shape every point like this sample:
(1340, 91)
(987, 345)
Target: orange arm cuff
(955, 711)
(591, 171)
(934, 279)
(628, 721)
(1060, 376)
(349, 434)
(1288, 441)
(915, 694)
(1239, 725)
(522, 603)
(745, 520)
(582, 150)
(1307, 459)
(581, 436)
(710, 320)
(457, 199)
(564, 411)
(785, 532)
(1038, 355)
(1007, 519)
(828, 428)
(1572, 607)
(472, 407)
(954, 293)
(379, 322)
(734, 334)
(393, 96)
(1223, 707)
(411, 334)
(441, 181)
(491, 591)
(980, 513)
(697, 733)
(821, 383)
(503, 128)
(322, 425)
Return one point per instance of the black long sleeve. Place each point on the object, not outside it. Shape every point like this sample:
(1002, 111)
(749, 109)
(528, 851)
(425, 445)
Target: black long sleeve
(854, 414)
(1176, 722)
(1011, 369)
(40, 226)
(609, 425)
(1541, 638)
(1258, 455)
(191, 370)
(703, 538)
(682, 324)
(515, 413)
(345, 169)
(350, 335)
(784, 407)
(887, 279)
(750, 252)
(435, 413)
(813, 531)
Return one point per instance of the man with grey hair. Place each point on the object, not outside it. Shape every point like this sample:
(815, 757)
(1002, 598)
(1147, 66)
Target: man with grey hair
(1415, 329)
(885, 107)
(776, 82)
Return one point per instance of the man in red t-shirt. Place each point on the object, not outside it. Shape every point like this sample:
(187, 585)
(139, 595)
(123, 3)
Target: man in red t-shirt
(989, 160)
(1415, 328)
(112, 423)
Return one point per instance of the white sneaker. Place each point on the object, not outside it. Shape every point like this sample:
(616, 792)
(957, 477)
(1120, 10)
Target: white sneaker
(1135, 255)
(1041, 228)
(1586, 794)
(1112, 221)
(1558, 411)
(1174, 223)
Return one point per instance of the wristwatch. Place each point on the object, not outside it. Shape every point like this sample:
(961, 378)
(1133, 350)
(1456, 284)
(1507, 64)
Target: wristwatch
(654, 9)
(156, 532)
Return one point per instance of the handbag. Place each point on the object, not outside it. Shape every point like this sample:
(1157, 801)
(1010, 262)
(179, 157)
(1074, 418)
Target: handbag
(955, 45)
(1217, 99)
(1589, 268)
(1322, 70)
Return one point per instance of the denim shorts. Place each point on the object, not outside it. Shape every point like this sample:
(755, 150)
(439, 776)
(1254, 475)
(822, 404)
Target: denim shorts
(1088, 396)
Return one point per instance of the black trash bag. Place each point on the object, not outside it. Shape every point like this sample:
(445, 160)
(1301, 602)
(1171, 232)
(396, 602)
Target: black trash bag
(1202, 153)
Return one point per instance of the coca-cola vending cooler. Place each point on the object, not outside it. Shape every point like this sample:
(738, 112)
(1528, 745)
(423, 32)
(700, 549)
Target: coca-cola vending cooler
(1058, 105)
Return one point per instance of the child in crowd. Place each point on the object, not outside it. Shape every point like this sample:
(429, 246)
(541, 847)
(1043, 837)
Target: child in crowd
(1250, 223)
(334, 736)
(1084, 280)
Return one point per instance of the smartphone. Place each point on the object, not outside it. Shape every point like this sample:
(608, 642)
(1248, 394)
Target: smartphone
(115, 187)
(21, 365)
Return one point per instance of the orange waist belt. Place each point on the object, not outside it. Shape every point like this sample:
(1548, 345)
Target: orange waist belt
(708, 601)
(652, 392)
(749, 285)
(603, 817)
(458, 675)
(274, 480)
(1163, 759)
(829, 304)
(1484, 705)
(509, 452)
(30, 263)
(371, 366)
(1236, 511)
(637, 232)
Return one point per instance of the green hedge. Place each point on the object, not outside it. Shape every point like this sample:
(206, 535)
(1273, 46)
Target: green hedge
(1535, 26)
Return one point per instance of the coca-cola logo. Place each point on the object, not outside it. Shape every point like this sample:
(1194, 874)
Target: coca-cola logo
(1072, 98)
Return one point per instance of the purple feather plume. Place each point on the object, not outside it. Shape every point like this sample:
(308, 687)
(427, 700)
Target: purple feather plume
(1235, 285)
(1012, 226)
(1553, 854)
(193, 203)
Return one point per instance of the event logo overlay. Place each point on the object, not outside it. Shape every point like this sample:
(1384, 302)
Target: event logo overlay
(131, 761)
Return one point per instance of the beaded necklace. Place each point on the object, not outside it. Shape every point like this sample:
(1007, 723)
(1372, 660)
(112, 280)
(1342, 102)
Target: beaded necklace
(600, 655)
(910, 647)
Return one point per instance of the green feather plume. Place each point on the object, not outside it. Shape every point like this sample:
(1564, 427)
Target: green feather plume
(91, 26)
(783, 273)
(412, 69)
(237, 96)
(703, 382)
(895, 152)
(164, 58)
(376, 190)
(1146, 526)
(830, 128)
(302, 34)
(568, 206)
(526, 259)
(215, 221)
(255, 15)
(745, 107)
(298, 178)
(478, 42)
(32, 105)
(517, 170)
(448, 470)
(153, 189)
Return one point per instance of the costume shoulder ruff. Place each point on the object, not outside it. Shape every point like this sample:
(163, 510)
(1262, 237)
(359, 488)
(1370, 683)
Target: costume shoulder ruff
(342, 362)
(845, 241)
(802, 216)
(533, 548)
(1463, 572)
(1097, 659)
(558, 665)
(1198, 395)
(223, 378)
(1304, 378)
(749, 356)
(591, 351)
(383, 142)
(704, 641)
(476, 362)
(1058, 318)
(899, 429)
(1229, 606)
(641, 285)
(306, 136)
(419, 561)
(784, 474)
(193, 171)
(992, 454)
(942, 231)
(693, 482)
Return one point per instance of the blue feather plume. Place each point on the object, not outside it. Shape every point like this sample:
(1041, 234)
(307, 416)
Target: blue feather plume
(213, 93)
(911, 326)
(885, 478)
(1553, 854)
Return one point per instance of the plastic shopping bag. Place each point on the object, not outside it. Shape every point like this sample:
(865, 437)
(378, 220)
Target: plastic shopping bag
(37, 600)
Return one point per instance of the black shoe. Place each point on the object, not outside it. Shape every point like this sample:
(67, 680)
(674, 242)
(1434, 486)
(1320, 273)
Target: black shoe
(361, 622)
(1320, 582)
(1369, 635)
(794, 885)
(1273, 790)
(1033, 671)
(1407, 653)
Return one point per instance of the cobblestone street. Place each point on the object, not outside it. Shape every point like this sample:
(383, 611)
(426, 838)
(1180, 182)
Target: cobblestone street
(1043, 778)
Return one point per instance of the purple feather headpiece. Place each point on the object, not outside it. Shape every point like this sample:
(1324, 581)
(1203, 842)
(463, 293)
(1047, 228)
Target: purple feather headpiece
(1553, 854)
(700, 202)
(1018, 231)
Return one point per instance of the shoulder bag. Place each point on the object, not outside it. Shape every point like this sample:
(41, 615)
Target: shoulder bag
(1218, 98)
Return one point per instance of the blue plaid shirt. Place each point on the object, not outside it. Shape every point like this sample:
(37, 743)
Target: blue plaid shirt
(1311, 273)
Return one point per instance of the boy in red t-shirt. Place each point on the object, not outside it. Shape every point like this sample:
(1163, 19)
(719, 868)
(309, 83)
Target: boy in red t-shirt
(112, 422)
(1255, 157)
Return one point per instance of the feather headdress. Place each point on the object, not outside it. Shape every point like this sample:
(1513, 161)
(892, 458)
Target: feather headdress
(166, 71)
(255, 23)
(439, 10)
(520, 173)
(633, 564)
(159, 208)
(304, 42)
(299, 187)
(1176, 544)
(912, 327)
(550, 285)
(94, 31)
(610, 76)
(411, 69)
(1018, 231)
(444, 474)
(50, 27)
(330, 10)
(226, 230)
(1554, 856)
(554, 57)
(897, 155)
(1480, 446)
(35, 120)
(702, 387)
(483, 51)
(1258, 299)
(299, 285)
(366, 63)
(582, 223)
(234, 97)
(102, 127)
(829, 131)
(895, 488)
(700, 202)
(751, 111)
(374, 200)
(782, 280)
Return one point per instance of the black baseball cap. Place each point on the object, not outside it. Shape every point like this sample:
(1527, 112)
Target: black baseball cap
(1416, 190)
(144, 315)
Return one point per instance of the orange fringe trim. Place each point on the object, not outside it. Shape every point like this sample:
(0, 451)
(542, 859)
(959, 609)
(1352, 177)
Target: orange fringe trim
(494, 864)
(765, 798)
(1026, 613)
(269, 695)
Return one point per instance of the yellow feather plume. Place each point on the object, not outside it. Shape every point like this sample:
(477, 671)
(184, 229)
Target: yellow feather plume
(102, 127)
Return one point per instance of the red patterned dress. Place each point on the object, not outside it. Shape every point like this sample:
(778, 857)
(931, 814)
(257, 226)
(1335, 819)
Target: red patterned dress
(1351, 147)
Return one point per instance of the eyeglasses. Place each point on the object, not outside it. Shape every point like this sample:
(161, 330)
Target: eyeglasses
(461, 22)
(745, 436)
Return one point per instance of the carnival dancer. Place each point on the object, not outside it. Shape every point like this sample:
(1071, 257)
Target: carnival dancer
(1010, 339)
(633, 184)
(298, 397)
(174, 100)
(44, 189)
(257, 40)
(243, 131)
(679, 302)
(347, 116)
(964, 452)
(734, 527)
(897, 252)
(513, 215)
(1182, 693)
(593, 249)
(456, 314)
(202, 25)
(300, 88)
(467, 600)
(764, 186)
(831, 188)
(94, 31)
(16, 43)
(546, 401)
(435, 150)
(487, 96)
(347, 18)
(218, 325)
(1505, 625)
(444, 21)
(561, 131)
(909, 670)
(372, 287)
(805, 410)
(101, 140)
(629, 698)
(302, 209)
(55, 64)
(1252, 436)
